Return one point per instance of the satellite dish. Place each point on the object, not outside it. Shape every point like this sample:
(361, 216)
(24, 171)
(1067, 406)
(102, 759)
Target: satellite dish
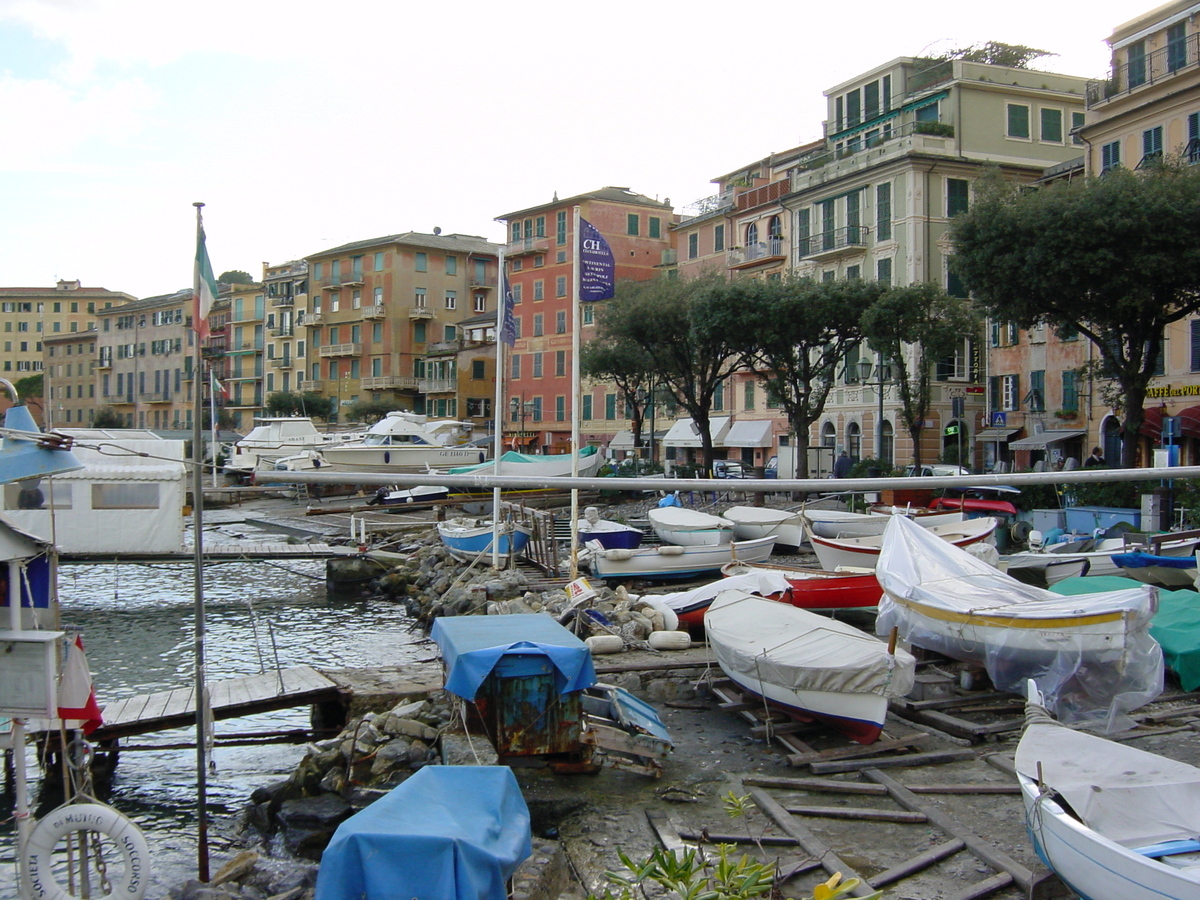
(437, 229)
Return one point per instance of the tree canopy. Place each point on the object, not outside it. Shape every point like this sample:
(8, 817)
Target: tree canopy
(628, 366)
(1116, 257)
(235, 276)
(997, 53)
(309, 404)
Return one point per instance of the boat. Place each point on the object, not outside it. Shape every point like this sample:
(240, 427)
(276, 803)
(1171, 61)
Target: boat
(552, 465)
(818, 588)
(836, 523)
(1092, 653)
(689, 528)
(609, 535)
(272, 439)
(469, 539)
(750, 522)
(807, 665)
(1165, 570)
(420, 494)
(1109, 819)
(690, 606)
(1099, 552)
(863, 552)
(404, 441)
(979, 500)
(1043, 570)
(671, 560)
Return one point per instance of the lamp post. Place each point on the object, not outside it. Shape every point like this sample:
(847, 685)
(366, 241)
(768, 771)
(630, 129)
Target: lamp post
(883, 377)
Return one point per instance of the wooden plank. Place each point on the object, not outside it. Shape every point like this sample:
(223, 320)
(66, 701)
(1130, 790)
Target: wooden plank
(712, 837)
(667, 835)
(858, 812)
(959, 727)
(918, 862)
(857, 750)
(785, 727)
(829, 860)
(1005, 764)
(985, 887)
(964, 788)
(951, 702)
(823, 785)
(911, 759)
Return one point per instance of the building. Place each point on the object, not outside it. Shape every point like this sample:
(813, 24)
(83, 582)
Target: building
(286, 289)
(540, 257)
(376, 306)
(244, 354)
(460, 375)
(69, 385)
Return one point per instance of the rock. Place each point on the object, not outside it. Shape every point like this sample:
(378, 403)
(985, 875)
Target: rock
(309, 823)
(236, 869)
(411, 710)
(413, 728)
(391, 755)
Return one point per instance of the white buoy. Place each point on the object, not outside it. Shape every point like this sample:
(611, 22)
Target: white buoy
(670, 640)
(605, 643)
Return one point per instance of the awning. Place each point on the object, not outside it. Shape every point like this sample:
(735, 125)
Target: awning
(998, 435)
(684, 434)
(1045, 439)
(755, 433)
(1152, 423)
(1189, 421)
(622, 441)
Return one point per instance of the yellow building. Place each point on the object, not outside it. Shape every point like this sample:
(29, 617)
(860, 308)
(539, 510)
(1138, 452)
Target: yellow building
(28, 314)
(69, 388)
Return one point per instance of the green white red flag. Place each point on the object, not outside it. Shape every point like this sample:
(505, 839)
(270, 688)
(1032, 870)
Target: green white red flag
(205, 289)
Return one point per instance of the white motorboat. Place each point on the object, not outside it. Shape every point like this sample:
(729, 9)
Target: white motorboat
(1092, 654)
(272, 439)
(863, 552)
(807, 664)
(689, 528)
(1109, 819)
(1045, 569)
(671, 560)
(750, 522)
(550, 465)
(404, 441)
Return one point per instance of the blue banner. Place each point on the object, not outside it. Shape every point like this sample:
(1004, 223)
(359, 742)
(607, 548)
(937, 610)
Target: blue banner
(596, 278)
(508, 322)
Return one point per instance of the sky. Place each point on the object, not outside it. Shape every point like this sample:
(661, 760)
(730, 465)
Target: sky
(304, 125)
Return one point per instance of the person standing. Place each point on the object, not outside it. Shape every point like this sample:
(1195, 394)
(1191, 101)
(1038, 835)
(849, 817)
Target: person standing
(1096, 460)
(841, 468)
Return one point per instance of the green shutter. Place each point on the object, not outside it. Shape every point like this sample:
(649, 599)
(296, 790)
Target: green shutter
(1018, 120)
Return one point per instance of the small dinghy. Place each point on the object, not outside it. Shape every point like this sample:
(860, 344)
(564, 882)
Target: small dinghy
(609, 535)
(689, 528)
(470, 539)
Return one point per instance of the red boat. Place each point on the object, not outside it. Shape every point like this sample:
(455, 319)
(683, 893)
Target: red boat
(818, 588)
(979, 501)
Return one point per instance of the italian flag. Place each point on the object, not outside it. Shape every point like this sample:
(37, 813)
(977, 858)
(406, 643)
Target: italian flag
(77, 704)
(204, 290)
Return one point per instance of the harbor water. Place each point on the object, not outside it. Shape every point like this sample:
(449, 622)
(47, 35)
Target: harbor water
(137, 626)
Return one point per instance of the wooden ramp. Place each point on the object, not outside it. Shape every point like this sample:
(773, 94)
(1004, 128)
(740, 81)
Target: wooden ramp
(279, 689)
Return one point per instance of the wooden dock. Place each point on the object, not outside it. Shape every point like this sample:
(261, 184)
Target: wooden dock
(230, 698)
(242, 551)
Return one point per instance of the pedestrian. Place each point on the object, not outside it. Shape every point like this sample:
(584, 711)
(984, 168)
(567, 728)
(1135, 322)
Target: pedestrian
(841, 468)
(1096, 460)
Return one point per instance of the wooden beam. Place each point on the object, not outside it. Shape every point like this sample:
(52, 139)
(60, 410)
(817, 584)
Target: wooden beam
(826, 785)
(911, 759)
(918, 863)
(855, 751)
(858, 812)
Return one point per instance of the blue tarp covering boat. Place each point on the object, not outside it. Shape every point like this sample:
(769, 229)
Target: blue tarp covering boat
(447, 833)
(472, 646)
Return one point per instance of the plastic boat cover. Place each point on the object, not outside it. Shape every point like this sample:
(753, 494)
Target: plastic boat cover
(1128, 795)
(447, 832)
(1176, 625)
(472, 646)
(758, 581)
(777, 643)
(1139, 559)
(759, 515)
(969, 610)
(512, 456)
(675, 518)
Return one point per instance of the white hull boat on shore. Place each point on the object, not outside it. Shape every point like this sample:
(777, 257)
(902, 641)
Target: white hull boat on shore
(863, 552)
(671, 560)
(272, 439)
(689, 528)
(838, 523)
(750, 522)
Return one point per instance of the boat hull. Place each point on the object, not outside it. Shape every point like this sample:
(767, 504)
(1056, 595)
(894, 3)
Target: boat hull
(863, 552)
(623, 539)
(672, 561)
(468, 543)
(818, 589)
(398, 458)
(751, 523)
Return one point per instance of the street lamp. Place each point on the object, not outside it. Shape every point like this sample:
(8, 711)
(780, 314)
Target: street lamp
(883, 377)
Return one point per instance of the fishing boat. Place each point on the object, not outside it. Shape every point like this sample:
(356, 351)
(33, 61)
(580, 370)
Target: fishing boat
(863, 552)
(403, 441)
(671, 560)
(1095, 649)
(750, 522)
(807, 665)
(1172, 571)
(689, 528)
(819, 589)
(469, 539)
(609, 535)
(552, 465)
(1109, 819)
(690, 606)
(272, 439)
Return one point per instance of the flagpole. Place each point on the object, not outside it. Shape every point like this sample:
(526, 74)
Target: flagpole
(576, 392)
(502, 312)
(200, 692)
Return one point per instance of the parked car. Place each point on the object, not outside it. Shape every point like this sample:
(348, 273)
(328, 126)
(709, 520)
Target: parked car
(730, 468)
(936, 470)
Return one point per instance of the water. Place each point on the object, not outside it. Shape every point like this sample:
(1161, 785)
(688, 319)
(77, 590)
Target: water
(137, 626)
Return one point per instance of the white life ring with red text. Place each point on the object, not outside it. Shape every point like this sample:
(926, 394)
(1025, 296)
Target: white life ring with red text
(126, 836)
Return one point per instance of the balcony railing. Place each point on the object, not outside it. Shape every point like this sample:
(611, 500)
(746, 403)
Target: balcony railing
(420, 312)
(156, 397)
(104, 362)
(526, 246)
(283, 362)
(244, 347)
(374, 311)
(283, 301)
(342, 350)
(1156, 66)
(482, 281)
(384, 382)
(312, 318)
(352, 280)
(886, 133)
(852, 237)
(757, 253)
(670, 257)
(118, 400)
(213, 352)
(282, 331)
(315, 387)
(437, 385)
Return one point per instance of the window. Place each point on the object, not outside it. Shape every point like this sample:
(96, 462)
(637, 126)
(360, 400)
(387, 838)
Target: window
(538, 325)
(1036, 398)
(451, 299)
(589, 314)
(518, 293)
(539, 290)
(356, 299)
(718, 403)
(693, 245)
(654, 229)
(560, 227)
(1077, 121)
(870, 100)
(419, 298)
(451, 265)
(751, 234)
(954, 284)
(804, 231)
(1177, 46)
(883, 270)
(1110, 156)
(1196, 345)
(853, 273)
(560, 408)
(883, 211)
(928, 113)
(1052, 121)
(1018, 120)
(610, 406)
(718, 238)
(560, 363)
(514, 367)
(480, 303)
(1191, 152)
(957, 196)
(1009, 391)
(539, 261)
(1152, 146)
(537, 409)
(379, 262)
(419, 332)
(586, 412)
(853, 108)
(1136, 63)
(1070, 392)
(748, 395)
(560, 322)
(560, 286)
(422, 262)
(137, 495)
(631, 224)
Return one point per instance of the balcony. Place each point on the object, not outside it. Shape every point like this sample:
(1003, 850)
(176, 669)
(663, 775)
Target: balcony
(761, 253)
(156, 397)
(342, 350)
(117, 400)
(282, 331)
(104, 362)
(283, 301)
(437, 385)
(284, 362)
(920, 135)
(342, 281)
(311, 319)
(213, 352)
(245, 347)
(484, 282)
(420, 312)
(847, 241)
(528, 245)
(374, 311)
(315, 387)
(1151, 68)
(670, 257)
(385, 382)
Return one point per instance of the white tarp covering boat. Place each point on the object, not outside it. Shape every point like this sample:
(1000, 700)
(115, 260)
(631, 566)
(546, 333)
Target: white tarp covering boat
(1091, 654)
(689, 528)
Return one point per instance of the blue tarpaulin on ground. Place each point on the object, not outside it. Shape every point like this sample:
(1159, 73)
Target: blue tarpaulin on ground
(472, 646)
(447, 833)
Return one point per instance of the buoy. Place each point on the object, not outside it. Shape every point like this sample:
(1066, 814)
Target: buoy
(605, 643)
(670, 550)
(618, 554)
(127, 839)
(670, 640)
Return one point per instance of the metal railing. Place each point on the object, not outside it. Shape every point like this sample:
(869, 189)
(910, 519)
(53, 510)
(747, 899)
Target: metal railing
(768, 249)
(837, 239)
(383, 382)
(1155, 66)
(341, 350)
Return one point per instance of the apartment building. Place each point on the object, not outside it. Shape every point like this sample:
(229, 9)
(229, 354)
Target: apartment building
(69, 378)
(540, 256)
(285, 287)
(144, 361)
(459, 380)
(376, 306)
(244, 354)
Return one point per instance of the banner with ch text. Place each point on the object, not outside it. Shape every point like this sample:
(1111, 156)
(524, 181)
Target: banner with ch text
(596, 269)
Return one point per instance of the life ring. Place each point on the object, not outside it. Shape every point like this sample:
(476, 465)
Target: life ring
(126, 836)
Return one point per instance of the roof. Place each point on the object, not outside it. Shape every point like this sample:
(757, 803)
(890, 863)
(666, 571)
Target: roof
(180, 296)
(463, 243)
(610, 194)
(487, 318)
(49, 293)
